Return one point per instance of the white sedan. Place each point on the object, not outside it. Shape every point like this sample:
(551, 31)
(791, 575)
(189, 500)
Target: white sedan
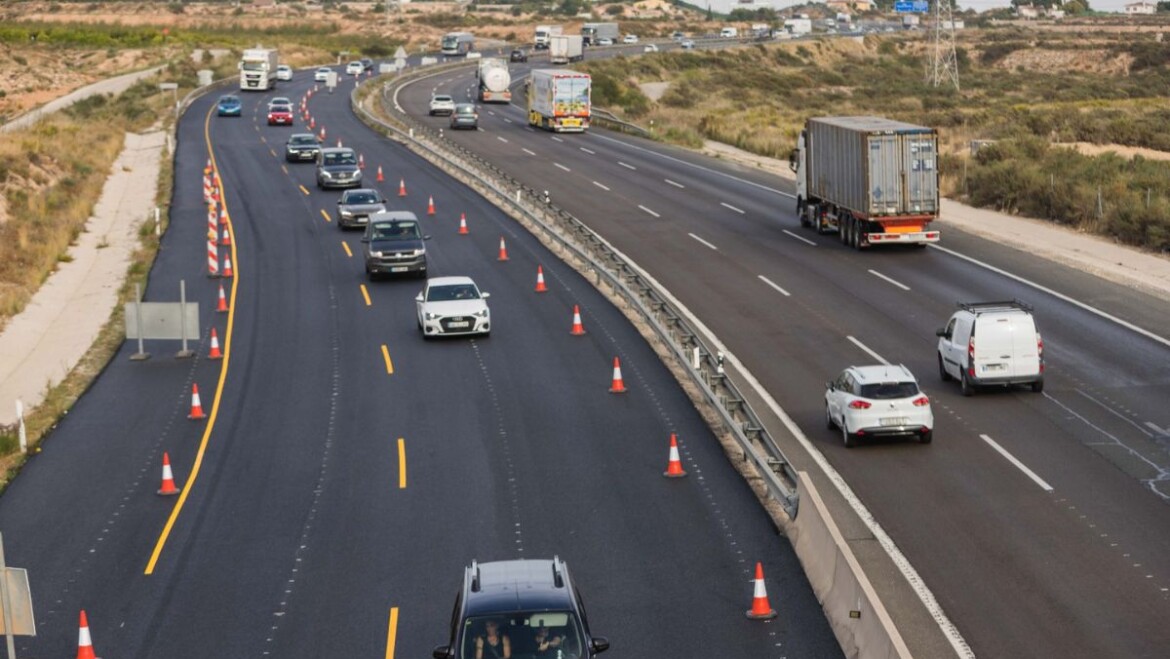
(322, 74)
(284, 72)
(878, 401)
(354, 68)
(630, 38)
(450, 306)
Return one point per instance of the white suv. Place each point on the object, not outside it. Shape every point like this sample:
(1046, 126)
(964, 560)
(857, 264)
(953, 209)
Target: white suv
(442, 104)
(878, 401)
(991, 343)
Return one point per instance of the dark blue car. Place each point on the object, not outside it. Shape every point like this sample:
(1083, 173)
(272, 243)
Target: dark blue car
(229, 106)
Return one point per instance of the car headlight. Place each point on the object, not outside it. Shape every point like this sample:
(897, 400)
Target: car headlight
(376, 255)
(345, 213)
(482, 313)
(419, 252)
(430, 316)
(325, 173)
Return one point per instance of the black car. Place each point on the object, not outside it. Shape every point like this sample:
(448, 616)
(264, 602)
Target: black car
(302, 147)
(393, 244)
(367, 63)
(519, 55)
(532, 602)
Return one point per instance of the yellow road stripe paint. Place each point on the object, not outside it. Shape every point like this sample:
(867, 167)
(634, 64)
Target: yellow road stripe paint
(401, 463)
(345, 246)
(227, 356)
(304, 190)
(386, 356)
(392, 632)
(366, 294)
(326, 215)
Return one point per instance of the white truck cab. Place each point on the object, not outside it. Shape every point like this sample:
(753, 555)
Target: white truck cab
(989, 343)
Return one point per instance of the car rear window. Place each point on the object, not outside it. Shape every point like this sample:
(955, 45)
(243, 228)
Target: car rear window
(888, 390)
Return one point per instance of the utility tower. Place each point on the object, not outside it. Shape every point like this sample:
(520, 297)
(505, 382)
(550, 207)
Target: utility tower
(942, 66)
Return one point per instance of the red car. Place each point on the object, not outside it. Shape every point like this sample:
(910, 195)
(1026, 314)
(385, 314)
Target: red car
(280, 115)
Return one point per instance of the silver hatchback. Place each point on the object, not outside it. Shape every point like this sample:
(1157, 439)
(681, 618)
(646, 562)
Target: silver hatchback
(355, 207)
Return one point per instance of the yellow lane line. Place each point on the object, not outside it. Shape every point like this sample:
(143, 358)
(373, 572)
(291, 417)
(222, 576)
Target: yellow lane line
(304, 190)
(401, 464)
(345, 246)
(326, 215)
(392, 632)
(366, 294)
(386, 356)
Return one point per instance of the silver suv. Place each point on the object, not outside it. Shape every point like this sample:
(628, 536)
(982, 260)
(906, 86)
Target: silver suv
(338, 168)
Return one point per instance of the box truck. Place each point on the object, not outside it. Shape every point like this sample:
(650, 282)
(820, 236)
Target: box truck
(258, 69)
(558, 100)
(871, 180)
(594, 32)
(566, 48)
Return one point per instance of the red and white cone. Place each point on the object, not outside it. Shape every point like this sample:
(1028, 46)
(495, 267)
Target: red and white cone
(503, 251)
(227, 266)
(339, 142)
(674, 465)
(618, 387)
(312, 122)
(196, 406)
(226, 240)
(223, 216)
(540, 287)
(463, 224)
(168, 479)
(760, 610)
(221, 305)
(578, 329)
(214, 353)
(84, 642)
(361, 161)
(401, 187)
(207, 167)
(380, 178)
(322, 138)
(430, 205)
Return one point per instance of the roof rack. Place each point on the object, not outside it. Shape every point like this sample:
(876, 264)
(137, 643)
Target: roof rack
(977, 307)
(475, 584)
(558, 576)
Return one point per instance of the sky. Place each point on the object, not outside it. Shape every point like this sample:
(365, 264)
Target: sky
(978, 5)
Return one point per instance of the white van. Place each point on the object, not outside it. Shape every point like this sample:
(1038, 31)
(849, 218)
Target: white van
(991, 343)
(729, 32)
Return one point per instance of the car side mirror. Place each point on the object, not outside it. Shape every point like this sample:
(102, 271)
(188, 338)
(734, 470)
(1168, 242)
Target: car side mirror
(338, 202)
(599, 644)
(365, 239)
(426, 237)
(484, 294)
(942, 331)
(831, 386)
(418, 298)
(442, 652)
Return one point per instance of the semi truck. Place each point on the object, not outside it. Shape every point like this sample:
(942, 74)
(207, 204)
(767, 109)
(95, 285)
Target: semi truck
(543, 34)
(871, 180)
(258, 69)
(558, 100)
(594, 32)
(566, 48)
(494, 81)
(798, 27)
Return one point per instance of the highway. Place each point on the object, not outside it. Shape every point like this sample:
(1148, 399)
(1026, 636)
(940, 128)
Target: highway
(1038, 521)
(349, 470)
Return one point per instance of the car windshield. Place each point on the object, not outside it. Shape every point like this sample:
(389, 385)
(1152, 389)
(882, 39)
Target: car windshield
(465, 109)
(324, 70)
(450, 292)
(527, 633)
(404, 230)
(888, 390)
(345, 158)
(280, 108)
(303, 140)
(360, 198)
(229, 100)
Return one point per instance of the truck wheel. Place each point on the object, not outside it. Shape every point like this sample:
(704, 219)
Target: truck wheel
(843, 228)
(800, 212)
(855, 236)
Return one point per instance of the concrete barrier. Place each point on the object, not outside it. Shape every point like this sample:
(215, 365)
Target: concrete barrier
(858, 618)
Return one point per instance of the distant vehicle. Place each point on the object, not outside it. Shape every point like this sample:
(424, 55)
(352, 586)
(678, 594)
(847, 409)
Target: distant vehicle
(354, 68)
(284, 72)
(594, 32)
(322, 74)
(301, 147)
(678, 36)
(559, 100)
(229, 106)
(449, 306)
(393, 245)
(729, 33)
(687, 44)
(280, 115)
(258, 69)
(604, 41)
(441, 104)
(338, 168)
(989, 343)
(457, 43)
(630, 38)
(871, 180)
(543, 33)
(367, 63)
(518, 55)
(798, 26)
(474, 55)
(524, 597)
(878, 401)
(355, 207)
(650, 48)
(465, 116)
(566, 48)
(494, 81)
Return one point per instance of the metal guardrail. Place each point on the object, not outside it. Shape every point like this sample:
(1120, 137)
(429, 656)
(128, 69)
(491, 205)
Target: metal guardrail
(609, 268)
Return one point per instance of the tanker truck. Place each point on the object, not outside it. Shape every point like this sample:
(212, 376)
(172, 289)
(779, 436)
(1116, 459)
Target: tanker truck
(494, 81)
(872, 181)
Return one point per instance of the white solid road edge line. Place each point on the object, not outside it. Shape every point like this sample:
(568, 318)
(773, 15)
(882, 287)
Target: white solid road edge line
(871, 353)
(948, 629)
(895, 282)
(1019, 465)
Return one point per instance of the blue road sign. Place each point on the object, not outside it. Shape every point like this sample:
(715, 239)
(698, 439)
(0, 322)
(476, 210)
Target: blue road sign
(911, 6)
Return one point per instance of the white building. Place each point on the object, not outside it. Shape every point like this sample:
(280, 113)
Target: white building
(1137, 8)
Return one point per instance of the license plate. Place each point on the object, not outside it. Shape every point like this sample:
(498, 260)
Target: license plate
(573, 123)
(993, 367)
(895, 421)
(398, 268)
(462, 323)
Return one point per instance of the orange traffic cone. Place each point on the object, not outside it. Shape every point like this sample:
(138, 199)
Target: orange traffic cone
(540, 287)
(578, 329)
(207, 167)
(430, 205)
(322, 138)
(674, 466)
(223, 216)
(168, 480)
(760, 610)
(84, 642)
(222, 306)
(618, 387)
(503, 251)
(401, 187)
(313, 123)
(361, 161)
(227, 266)
(226, 241)
(196, 406)
(215, 353)
(380, 177)
(463, 224)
